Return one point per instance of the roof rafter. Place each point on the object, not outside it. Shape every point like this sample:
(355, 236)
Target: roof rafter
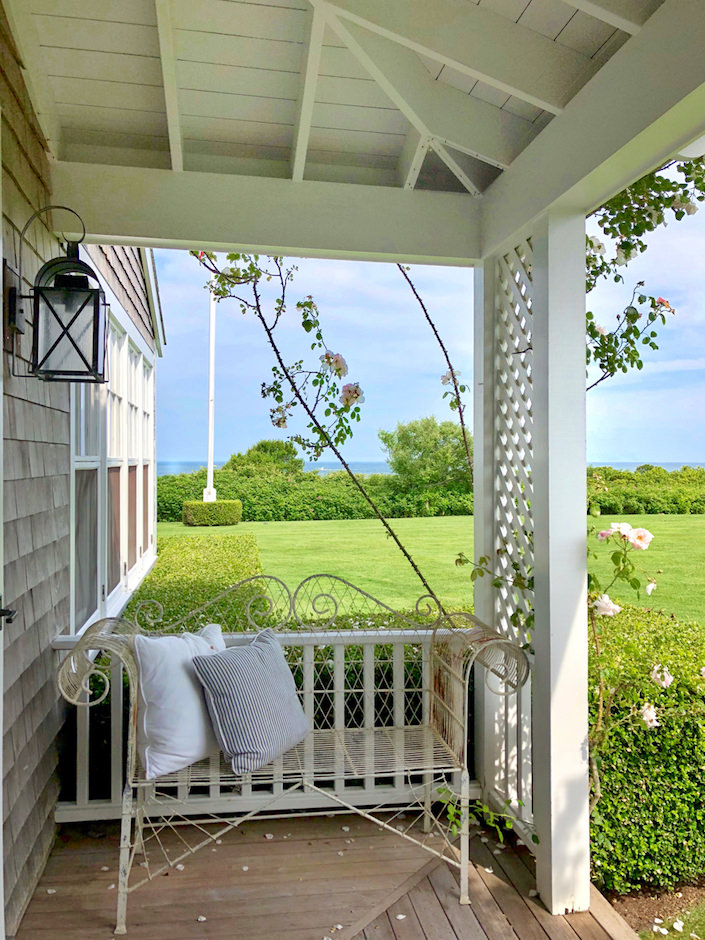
(302, 131)
(167, 49)
(434, 109)
(411, 158)
(457, 168)
(479, 43)
(627, 15)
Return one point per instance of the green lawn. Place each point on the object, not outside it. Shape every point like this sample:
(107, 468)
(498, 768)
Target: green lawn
(360, 551)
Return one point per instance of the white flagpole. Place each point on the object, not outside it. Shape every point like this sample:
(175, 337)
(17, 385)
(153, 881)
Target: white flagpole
(209, 495)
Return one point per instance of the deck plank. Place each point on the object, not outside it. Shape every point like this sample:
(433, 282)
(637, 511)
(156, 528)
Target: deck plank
(430, 912)
(404, 921)
(505, 894)
(298, 885)
(461, 916)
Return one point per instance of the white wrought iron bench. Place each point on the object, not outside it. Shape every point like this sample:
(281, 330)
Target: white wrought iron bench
(387, 696)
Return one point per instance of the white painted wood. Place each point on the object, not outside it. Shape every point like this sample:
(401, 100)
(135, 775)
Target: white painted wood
(113, 11)
(26, 37)
(108, 94)
(244, 51)
(2, 595)
(436, 110)
(479, 43)
(560, 744)
(165, 27)
(570, 164)
(411, 158)
(237, 19)
(456, 165)
(116, 726)
(486, 706)
(60, 31)
(308, 97)
(627, 15)
(194, 210)
(92, 64)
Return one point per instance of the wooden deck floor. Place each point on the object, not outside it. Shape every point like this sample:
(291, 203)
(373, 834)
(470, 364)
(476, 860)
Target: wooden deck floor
(335, 877)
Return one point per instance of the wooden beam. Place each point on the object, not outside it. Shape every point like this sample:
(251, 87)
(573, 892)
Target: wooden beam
(627, 15)
(411, 158)
(167, 49)
(433, 108)
(479, 43)
(308, 97)
(158, 208)
(569, 164)
(457, 168)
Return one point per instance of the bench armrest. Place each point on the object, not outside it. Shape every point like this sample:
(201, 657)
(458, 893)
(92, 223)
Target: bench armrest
(109, 635)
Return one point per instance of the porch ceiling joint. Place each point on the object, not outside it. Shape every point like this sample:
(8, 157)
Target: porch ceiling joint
(478, 43)
(308, 97)
(167, 50)
(627, 15)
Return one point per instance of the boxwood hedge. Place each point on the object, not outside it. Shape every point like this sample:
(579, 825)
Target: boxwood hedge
(221, 512)
(272, 495)
(191, 570)
(648, 830)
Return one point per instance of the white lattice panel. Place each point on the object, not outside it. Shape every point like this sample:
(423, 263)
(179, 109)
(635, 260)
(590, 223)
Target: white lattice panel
(513, 522)
(513, 438)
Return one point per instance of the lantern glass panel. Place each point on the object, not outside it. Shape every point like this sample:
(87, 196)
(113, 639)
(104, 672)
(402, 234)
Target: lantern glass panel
(68, 332)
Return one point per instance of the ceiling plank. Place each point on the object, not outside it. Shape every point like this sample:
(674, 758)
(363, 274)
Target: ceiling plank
(571, 166)
(411, 158)
(479, 43)
(627, 15)
(165, 28)
(26, 37)
(274, 216)
(435, 109)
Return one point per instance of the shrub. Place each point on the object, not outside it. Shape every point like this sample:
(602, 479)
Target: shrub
(191, 570)
(648, 830)
(221, 512)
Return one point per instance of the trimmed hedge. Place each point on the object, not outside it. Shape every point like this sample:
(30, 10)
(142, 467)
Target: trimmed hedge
(648, 830)
(221, 512)
(648, 489)
(191, 570)
(277, 496)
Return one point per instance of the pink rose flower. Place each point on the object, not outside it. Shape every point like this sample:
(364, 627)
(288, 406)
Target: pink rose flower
(604, 535)
(661, 675)
(604, 607)
(648, 713)
(624, 528)
(351, 394)
(640, 538)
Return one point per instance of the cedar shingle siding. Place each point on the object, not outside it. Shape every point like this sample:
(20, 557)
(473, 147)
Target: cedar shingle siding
(36, 503)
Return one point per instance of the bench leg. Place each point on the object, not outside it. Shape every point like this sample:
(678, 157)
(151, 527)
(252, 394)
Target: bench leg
(124, 860)
(464, 836)
(427, 815)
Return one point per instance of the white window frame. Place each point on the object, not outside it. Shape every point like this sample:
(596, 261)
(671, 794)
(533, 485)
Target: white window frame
(130, 343)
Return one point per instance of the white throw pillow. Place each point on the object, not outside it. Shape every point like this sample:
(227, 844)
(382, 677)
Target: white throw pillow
(173, 726)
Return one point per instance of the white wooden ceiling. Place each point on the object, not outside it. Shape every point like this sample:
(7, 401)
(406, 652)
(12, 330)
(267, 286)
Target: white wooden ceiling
(427, 94)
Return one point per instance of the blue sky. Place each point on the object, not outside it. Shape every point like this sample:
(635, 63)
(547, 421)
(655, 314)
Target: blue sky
(372, 319)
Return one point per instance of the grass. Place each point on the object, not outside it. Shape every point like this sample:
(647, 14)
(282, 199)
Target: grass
(675, 558)
(693, 923)
(359, 551)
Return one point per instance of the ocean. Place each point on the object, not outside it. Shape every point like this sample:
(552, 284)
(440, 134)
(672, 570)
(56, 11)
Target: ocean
(165, 467)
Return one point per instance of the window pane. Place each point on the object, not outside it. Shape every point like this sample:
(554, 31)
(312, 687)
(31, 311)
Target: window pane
(113, 528)
(131, 516)
(145, 507)
(86, 544)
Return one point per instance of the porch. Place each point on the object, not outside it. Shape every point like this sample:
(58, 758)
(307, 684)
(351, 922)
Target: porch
(314, 874)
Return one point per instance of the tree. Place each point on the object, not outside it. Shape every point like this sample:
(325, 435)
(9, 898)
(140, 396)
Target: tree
(425, 453)
(276, 455)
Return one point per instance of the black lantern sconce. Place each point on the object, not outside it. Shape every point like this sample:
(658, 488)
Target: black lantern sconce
(69, 328)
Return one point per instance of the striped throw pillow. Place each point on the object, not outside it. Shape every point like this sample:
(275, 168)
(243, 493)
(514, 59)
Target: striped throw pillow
(252, 701)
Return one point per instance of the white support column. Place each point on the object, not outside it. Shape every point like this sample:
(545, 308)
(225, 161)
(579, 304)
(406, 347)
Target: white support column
(560, 749)
(483, 495)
